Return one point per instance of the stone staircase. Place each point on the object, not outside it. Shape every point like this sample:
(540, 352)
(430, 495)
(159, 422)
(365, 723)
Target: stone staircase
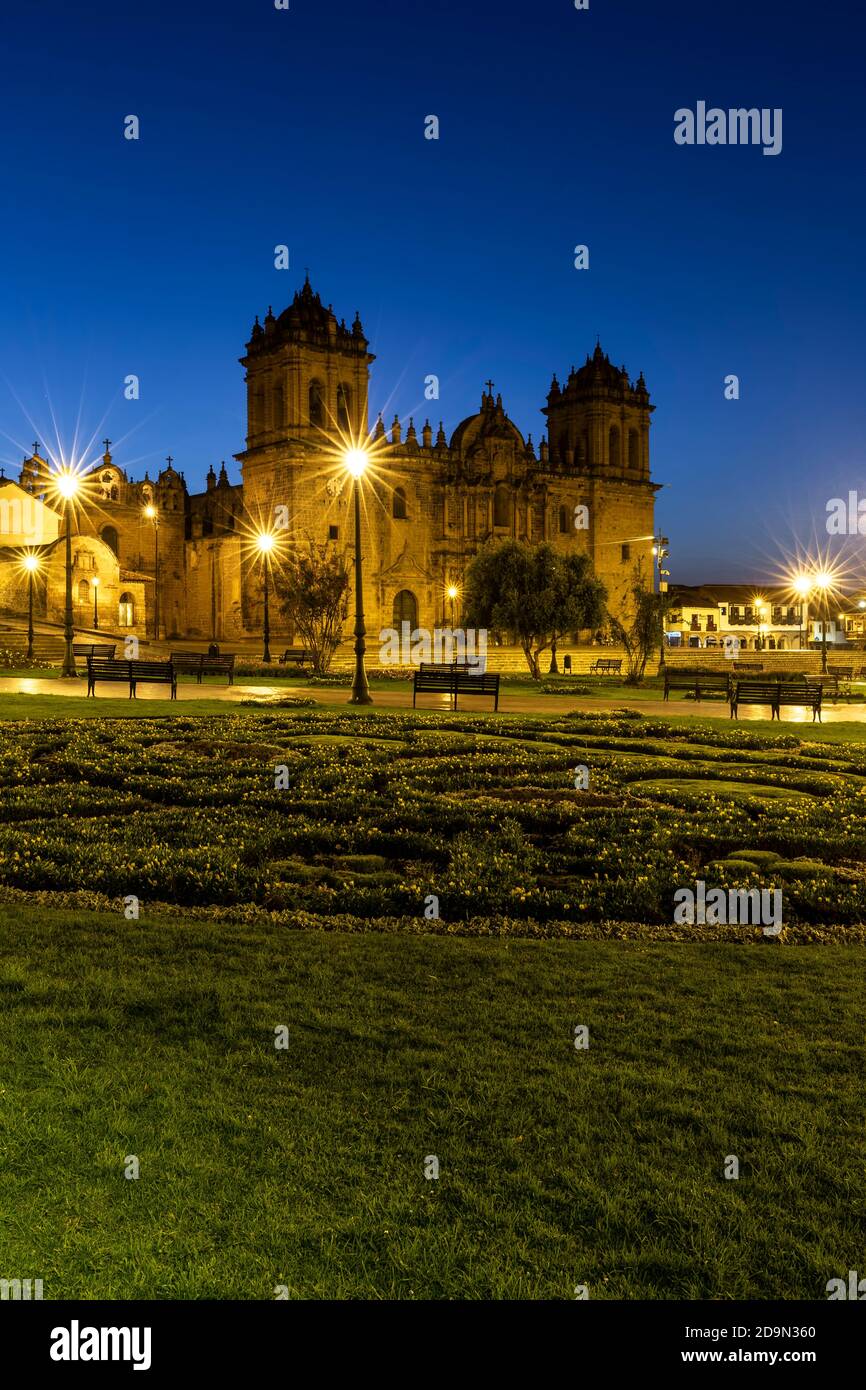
(48, 641)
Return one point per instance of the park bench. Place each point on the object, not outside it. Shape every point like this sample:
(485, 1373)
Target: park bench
(454, 679)
(839, 679)
(198, 664)
(130, 673)
(105, 649)
(776, 693)
(698, 682)
(297, 656)
(606, 666)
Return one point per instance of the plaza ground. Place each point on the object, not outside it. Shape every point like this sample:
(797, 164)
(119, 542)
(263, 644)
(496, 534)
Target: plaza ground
(23, 695)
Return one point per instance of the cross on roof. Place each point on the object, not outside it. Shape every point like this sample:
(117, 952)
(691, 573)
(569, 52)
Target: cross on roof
(169, 460)
(35, 447)
(107, 443)
(489, 385)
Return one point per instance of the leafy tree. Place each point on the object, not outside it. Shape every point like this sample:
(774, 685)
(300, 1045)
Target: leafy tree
(313, 591)
(533, 593)
(639, 627)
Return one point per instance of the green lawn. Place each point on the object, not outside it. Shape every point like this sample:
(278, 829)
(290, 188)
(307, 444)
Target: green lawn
(413, 1036)
(305, 1167)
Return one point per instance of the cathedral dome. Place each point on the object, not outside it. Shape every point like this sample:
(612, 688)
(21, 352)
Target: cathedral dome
(598, 370)
(491, 422)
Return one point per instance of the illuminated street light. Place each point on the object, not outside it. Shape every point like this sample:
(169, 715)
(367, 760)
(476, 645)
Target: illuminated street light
(356, 463)
(152, 514)
(66, 482)
(264, 543)
(823, 582)
(30, 564)
(452, 592)
(96, 601)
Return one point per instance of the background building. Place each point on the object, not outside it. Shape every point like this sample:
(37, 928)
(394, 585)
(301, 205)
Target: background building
(430, 501)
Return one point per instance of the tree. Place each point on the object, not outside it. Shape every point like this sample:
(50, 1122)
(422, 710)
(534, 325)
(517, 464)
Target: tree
(533, 593)
(313, 590)
(639, 628)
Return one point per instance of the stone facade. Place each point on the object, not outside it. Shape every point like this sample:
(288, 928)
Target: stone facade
(429, 502)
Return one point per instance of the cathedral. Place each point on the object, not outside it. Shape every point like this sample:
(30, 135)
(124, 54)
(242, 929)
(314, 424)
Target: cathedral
(151, 557)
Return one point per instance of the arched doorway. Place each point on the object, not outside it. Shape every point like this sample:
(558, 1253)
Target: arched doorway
(126, 610)
(405, 609)
(109, 535)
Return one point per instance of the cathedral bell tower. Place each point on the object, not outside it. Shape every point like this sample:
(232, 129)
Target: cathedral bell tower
(307, 377)
(598, 423)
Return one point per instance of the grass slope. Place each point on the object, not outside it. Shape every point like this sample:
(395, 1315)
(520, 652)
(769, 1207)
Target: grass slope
(305, 1167)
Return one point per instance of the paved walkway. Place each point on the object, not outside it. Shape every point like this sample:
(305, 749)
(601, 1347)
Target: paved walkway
(517, 703)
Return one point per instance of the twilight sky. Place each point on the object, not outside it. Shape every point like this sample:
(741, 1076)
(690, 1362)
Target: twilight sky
(306, 127)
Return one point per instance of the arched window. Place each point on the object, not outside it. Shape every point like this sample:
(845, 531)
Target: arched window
(613, 447)
(126, 610)
(114, 494)
(344, 402)
(563, 521)
(405, 609)
(501, 506)
(562, 448)
(108, 534)
(633, 449)
(317, 404)
(83, 591)
(398, 507)
(279, 408)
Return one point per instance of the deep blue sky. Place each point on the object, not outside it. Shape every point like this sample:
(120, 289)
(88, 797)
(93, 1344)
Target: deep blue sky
(261, 127)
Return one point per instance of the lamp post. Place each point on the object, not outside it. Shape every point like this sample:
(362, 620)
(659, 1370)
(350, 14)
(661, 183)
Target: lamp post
(452, 594)
(264, 545)
(67, 485)
(661, 552)
(356, 463)
(152, 514)
(31, 565)
(96, 602)
(803, 587)
(823, 582)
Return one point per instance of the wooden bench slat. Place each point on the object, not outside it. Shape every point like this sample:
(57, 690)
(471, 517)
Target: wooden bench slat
(456, 679)
(130, 672)
(777, 693)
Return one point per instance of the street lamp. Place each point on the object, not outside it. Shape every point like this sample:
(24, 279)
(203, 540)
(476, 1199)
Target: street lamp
(31, 565)
(152, 514)
(67, 483)
(95, 602)
(264, 545)
(823, 582)
(452, 592)
(356, 463)
(760, 607)
(803, 587)
(661, 552)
